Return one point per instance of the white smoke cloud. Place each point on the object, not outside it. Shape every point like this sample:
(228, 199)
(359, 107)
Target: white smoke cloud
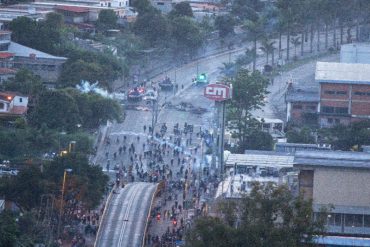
(87, 87)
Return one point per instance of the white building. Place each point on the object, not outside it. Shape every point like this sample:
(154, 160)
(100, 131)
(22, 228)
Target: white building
(12, 104)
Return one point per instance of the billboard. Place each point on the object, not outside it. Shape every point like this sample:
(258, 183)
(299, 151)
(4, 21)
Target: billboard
(217, 92)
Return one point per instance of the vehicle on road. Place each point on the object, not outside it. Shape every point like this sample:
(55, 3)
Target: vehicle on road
(166, 84)
(201, 79)
(136, 94)
(150, 96)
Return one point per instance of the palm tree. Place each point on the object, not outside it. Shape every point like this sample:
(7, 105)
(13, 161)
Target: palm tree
(229, 69)
(255, 30)
(296, 41)
(268, 48)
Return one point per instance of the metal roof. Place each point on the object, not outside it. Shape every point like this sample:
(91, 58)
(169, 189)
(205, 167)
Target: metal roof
(24, 51)
(307, 92)
(342, 241)
(332, 159)
(346, 73)
(264, 158)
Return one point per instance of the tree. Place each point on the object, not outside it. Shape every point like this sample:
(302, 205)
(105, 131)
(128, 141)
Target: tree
(288, 18)
(24, 30)
(256, 140)
(153, 27)
(255, 30)
(44, 35)
(347, 137)
(209, 231)
(295, 42)
(187, 34)
(95, 109)
(107, 19)
(142, 6)
(8, 229)
(268, 48)
(300, 136)
(24, 82)
(57, 110)
(268, 216)
(229, 69)
(181, 9)
(25, 189)
(249, 92)
(246, 9)
(90, 66)
(225, 25)
(83, 180)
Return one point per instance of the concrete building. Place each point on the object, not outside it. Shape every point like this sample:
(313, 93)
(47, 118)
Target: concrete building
(73, 14)
(294, 147)
(14, 56)
(12, 104)
(344, 92)
(302, 103)
(338, 179)
(9, 13)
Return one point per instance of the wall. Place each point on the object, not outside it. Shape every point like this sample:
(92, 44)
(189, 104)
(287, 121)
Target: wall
(341, 187)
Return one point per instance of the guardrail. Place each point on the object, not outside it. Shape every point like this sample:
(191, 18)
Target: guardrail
(103, 216)
(160, 186)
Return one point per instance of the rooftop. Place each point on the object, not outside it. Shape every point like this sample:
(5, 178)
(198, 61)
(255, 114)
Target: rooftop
(6, 55)
(8, 96)
(260, 158)
(6, 71)
(74, 9)
(346, 73)
(334, 159)
(24, 51)
(303, 93)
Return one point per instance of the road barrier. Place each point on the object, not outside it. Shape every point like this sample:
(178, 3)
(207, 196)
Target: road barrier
(160, 186)
(103, 216)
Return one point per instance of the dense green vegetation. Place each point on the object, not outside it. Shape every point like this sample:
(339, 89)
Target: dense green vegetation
(268, 216)
(52, 112)
(27, 188)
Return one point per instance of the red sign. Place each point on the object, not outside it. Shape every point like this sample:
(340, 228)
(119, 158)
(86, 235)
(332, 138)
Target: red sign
(217, 92)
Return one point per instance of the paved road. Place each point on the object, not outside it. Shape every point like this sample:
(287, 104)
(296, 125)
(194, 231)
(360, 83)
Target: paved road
(124, 222)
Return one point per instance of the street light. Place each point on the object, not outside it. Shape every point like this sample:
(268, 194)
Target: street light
(62, 199)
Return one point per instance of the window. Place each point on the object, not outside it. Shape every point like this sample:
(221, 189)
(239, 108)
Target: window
(341, 92)
(311, 107)
(353, 220)
(360, 93)
(327, 109)
(160, 3)
(341, 110)
(366, 220)
(20, 100)
(297, 107)
(329, 92)
(330, 120)
(334, 219)
(2, 106)
(337, 121)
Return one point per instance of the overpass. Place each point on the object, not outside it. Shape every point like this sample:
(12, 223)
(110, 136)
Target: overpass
(125, 216)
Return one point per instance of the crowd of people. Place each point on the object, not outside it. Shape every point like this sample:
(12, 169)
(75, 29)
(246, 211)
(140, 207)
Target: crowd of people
(168, 156)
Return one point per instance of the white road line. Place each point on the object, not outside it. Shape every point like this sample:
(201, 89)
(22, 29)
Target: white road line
(124, 223)
(143, 214)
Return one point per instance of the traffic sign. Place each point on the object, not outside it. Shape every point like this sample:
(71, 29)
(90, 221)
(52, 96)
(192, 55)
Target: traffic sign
(217, 92)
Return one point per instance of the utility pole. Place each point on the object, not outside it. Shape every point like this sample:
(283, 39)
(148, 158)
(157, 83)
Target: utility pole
(218, 93)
